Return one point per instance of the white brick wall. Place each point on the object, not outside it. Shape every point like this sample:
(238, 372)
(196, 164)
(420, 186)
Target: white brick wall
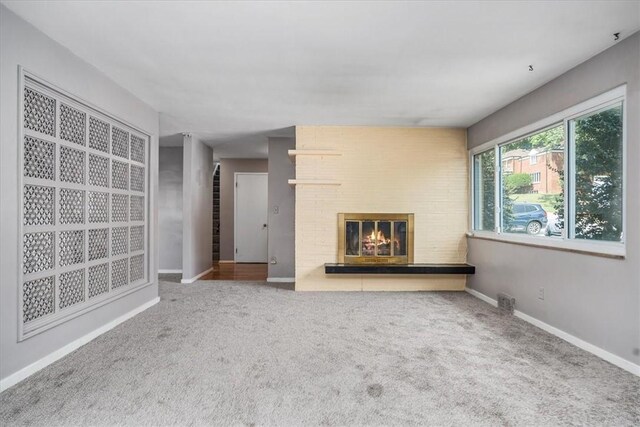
(404, 170)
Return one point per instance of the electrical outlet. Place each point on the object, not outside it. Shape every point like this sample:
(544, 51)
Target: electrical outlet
(541, 294)
(276, 210)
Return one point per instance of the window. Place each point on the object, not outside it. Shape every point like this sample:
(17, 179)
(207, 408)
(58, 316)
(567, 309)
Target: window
(484, 191)
(597, 182)
(581, 198)
(507, 165)
(535, 177)
(524, 211)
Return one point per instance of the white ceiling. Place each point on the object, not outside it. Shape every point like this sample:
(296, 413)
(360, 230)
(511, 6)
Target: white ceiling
(235, 71)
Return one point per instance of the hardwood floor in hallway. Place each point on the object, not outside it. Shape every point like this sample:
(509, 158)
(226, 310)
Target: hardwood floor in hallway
(241, 271)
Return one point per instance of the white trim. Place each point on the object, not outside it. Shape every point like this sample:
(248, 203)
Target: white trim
(565, 184)
(571, 339)
(497, 191)
(226, 261)
(569, 202)
(27, 371)
(592, 247)
(193, 279)
(482, 296)
(169, 271)
(596, 102)
(281, 279)
(471, 191)
(601, 353)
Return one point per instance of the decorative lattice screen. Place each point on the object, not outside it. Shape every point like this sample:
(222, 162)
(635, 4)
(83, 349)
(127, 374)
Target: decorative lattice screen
(84, 207)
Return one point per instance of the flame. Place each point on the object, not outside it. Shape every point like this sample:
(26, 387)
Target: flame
(379, 239)
(382, 240)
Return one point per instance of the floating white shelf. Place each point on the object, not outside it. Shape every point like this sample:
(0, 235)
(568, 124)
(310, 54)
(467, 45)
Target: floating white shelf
(294, 153)
(313, 182)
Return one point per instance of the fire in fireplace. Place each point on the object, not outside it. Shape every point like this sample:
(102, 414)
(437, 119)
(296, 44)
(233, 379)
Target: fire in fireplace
(375, 238)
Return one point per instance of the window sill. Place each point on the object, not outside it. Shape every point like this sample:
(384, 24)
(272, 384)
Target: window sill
(601, 249)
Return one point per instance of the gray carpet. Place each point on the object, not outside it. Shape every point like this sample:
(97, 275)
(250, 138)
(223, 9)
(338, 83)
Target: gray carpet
(244, 353)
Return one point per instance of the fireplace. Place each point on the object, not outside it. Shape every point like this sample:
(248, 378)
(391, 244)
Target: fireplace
(368, 238)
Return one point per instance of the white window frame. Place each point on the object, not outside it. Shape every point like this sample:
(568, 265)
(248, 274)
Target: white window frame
(565, 242)
(533, 159)
(535, 177)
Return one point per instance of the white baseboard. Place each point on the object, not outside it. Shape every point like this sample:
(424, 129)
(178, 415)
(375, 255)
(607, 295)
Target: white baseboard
(27, 371)
(226, 261)
(482, 296)
(193, 279)
(601, 353)
(281, 279)
(169, 271)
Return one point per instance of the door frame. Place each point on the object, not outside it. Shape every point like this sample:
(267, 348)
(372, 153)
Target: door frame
(235, 210)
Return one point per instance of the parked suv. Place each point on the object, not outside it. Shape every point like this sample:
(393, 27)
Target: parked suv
(528, 217)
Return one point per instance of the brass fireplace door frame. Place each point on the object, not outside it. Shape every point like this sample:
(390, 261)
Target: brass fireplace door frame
(380, 259)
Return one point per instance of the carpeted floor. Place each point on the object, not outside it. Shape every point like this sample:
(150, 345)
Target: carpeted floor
(233, 353)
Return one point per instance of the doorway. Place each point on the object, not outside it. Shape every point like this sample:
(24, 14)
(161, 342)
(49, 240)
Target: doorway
(250, 217)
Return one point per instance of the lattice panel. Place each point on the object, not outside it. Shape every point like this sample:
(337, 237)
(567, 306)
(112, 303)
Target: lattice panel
(72, 124)
(71, 206)
(39, 112)
(83, 204)
(71, 165)
(137, 178)
(71, 247)
(136, 268)
(71, 288)
(137, 238)
(137, 149)
(119, 270)
(137, 208)
(39, 158)
(98, 243)
(38, 252)
(119, 175)
(38, 205)
(119, 142)
(98, 206)
(98, 134)
(98, 170)
(98, 279)
(38, 298)
(119, 204)
(119, 240)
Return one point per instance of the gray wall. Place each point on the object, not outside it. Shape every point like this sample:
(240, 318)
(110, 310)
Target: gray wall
(197, 207)
(22, 44)
(170, 208)
(282, 199)
(228, 167)
(593, 298)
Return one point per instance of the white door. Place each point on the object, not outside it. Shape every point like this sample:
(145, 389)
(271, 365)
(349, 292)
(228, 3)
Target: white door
(251, 217)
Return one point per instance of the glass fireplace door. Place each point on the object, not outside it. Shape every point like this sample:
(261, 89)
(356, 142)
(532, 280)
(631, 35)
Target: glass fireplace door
(376, 240)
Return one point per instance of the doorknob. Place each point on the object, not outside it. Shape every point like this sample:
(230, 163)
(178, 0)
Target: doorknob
(264, 225)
